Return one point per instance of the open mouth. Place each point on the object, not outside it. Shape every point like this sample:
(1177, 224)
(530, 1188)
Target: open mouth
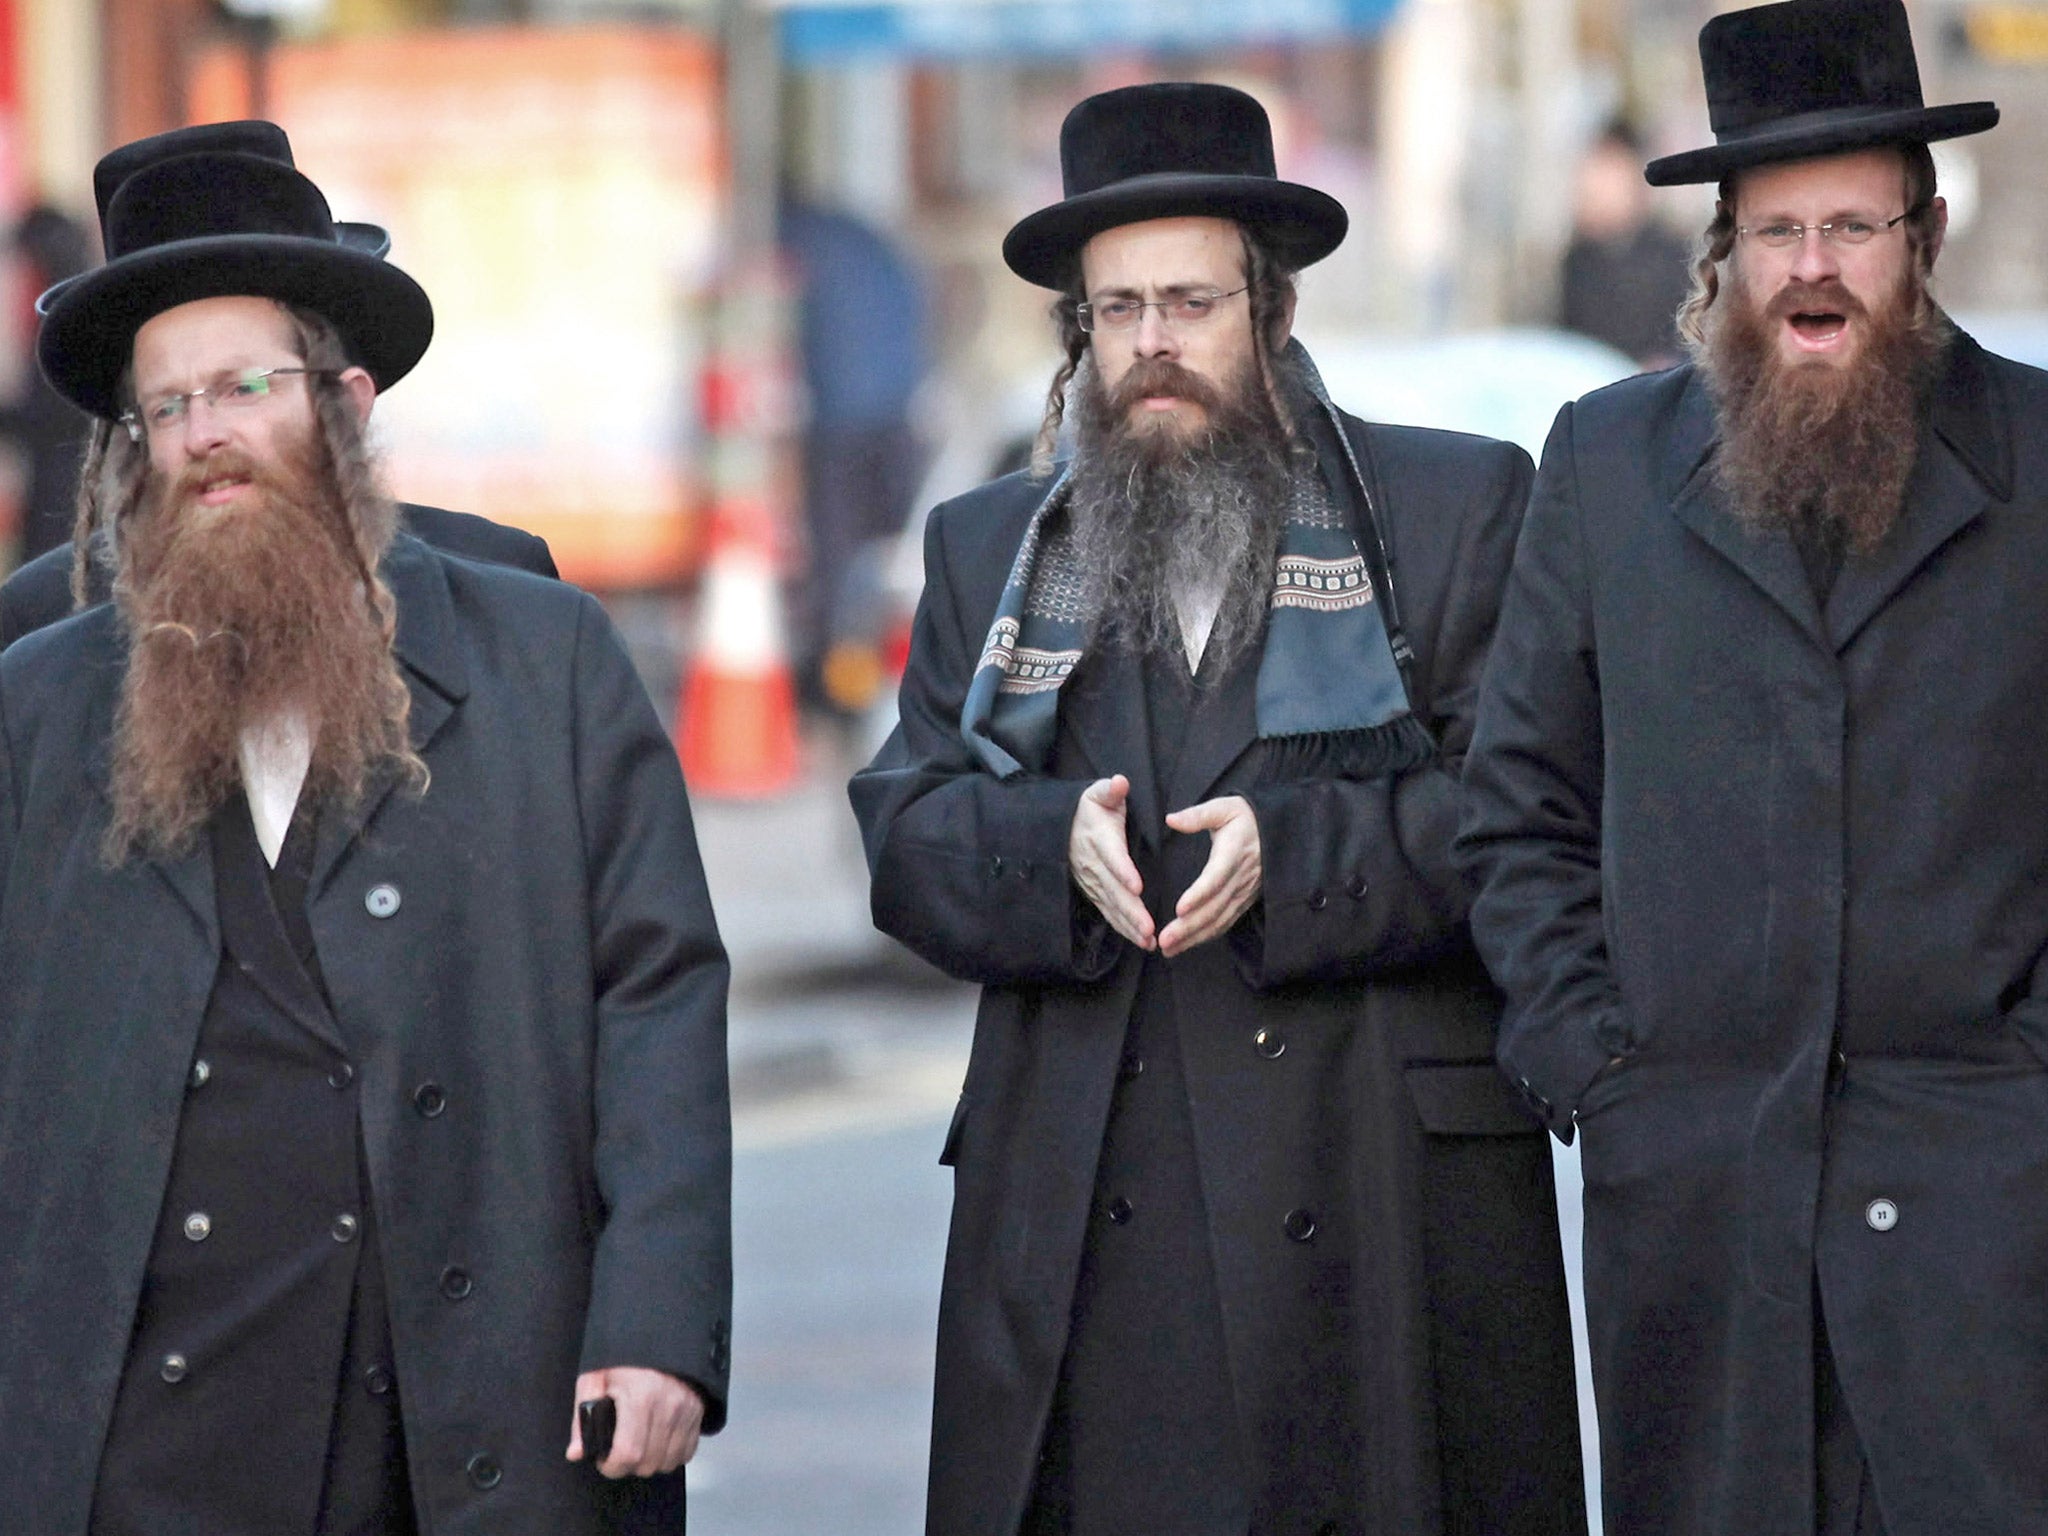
(1817, 329)
(218, 490)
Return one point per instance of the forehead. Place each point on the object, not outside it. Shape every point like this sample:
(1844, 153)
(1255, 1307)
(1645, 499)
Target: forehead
(1164, 253)
(207, 335)
(1869, 181)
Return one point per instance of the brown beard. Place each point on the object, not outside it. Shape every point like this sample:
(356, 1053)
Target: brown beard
(1829, 448)
(1157, 511)
(232, 617)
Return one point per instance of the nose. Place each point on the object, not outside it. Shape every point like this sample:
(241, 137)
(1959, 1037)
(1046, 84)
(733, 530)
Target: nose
(1816, 258)
(1154, 337)
(203, 427)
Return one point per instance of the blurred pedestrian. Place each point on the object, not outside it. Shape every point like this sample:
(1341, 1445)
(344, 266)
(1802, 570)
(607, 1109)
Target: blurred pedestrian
(47, 430)
(1249, 1235)
(1758, 800)
(362, 1072)
(1624, 273)
(861, 328)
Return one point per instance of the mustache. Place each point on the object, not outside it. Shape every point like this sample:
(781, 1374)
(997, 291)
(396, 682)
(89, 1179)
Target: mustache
(1151, 376)
(1829, 296)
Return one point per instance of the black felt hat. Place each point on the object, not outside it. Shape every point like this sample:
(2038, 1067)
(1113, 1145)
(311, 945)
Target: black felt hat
(1170, 151)
(204, 212)
(1812, 77)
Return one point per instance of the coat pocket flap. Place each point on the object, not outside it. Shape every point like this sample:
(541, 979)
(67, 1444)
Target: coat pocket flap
(1469, 1099)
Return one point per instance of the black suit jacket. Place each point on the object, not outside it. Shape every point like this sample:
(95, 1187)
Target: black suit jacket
(40, 592)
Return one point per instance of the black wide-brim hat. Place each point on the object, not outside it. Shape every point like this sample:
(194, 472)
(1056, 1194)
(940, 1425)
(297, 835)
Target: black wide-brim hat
(1812, 77)
(1170, 151)
(212, 224)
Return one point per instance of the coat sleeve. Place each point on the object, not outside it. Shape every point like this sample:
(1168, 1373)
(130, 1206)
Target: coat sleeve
(1359, 878)
(1532, 823)
(661, 1286)
(969, 870)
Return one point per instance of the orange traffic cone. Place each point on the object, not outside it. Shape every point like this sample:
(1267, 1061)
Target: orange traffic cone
(736, 714)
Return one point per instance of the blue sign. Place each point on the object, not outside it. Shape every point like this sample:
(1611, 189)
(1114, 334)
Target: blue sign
(967, 29)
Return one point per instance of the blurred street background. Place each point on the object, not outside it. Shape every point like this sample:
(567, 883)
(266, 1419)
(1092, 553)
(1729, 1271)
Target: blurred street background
(720, 313)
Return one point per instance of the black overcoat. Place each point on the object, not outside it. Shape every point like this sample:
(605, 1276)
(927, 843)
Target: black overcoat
(1380, 1114)
(526, 962)
(1786, 860)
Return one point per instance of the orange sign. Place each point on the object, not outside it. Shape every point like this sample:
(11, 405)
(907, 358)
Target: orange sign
(559, 195)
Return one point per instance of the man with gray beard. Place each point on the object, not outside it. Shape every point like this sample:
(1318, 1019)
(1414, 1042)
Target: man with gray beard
(1758, 801)
(362, 1073)
(1249, 1235)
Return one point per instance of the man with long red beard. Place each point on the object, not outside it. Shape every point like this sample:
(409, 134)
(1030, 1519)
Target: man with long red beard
(1249, 1235)
(362, 1075)
(1758, 803)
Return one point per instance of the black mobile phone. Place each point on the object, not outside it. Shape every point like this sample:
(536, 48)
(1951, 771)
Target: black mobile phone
(597, 1419)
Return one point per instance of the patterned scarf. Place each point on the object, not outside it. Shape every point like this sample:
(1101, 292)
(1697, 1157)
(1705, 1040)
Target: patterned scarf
(1331, 698)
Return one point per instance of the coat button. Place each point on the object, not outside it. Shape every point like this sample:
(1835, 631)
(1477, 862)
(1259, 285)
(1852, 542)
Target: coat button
(1130, 1067)
(175, 1368)
(377, 1381)
(345, 1228)
(1882, 1215)
(1317, 900)
(198, 1227)
(429, 1099)
(1355, 889)
(484, 1471)
(1268, 1044)
(202, 1073)
(455, 1283)
(382, 901)
(1120, 1211)
(341, 1076)
(1299, 1225)
(995, 866)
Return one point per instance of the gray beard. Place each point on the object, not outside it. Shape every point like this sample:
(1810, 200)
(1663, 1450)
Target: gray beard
(1159, 522)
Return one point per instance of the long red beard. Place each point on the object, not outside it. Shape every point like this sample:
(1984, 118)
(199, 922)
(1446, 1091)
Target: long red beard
(234, 616)
(1834, 446)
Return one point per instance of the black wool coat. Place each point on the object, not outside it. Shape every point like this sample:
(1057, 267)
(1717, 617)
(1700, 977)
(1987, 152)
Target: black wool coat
(1785, 861)
(525, 961)
(40, 592)
(1337, 1049)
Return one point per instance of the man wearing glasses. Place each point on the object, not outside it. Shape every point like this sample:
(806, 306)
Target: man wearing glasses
(1249, 1234)
(1758, 801)
(362, 1074)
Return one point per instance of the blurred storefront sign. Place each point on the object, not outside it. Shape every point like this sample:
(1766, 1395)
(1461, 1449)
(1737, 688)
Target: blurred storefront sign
(560, 194)
(2006, 33)
(837, 31)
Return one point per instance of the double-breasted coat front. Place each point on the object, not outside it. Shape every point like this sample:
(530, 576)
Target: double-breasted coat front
(1781, 863)
(1361, 1163)
(524, 962)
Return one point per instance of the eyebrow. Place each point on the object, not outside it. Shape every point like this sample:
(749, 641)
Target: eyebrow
(1168, 291)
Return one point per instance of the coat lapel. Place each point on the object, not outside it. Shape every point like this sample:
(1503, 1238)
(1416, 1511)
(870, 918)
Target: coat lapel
(1964, 463)
(1767, 559)
(1104, 719)
(1223, 724)
(431, 662)
(190, 874)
